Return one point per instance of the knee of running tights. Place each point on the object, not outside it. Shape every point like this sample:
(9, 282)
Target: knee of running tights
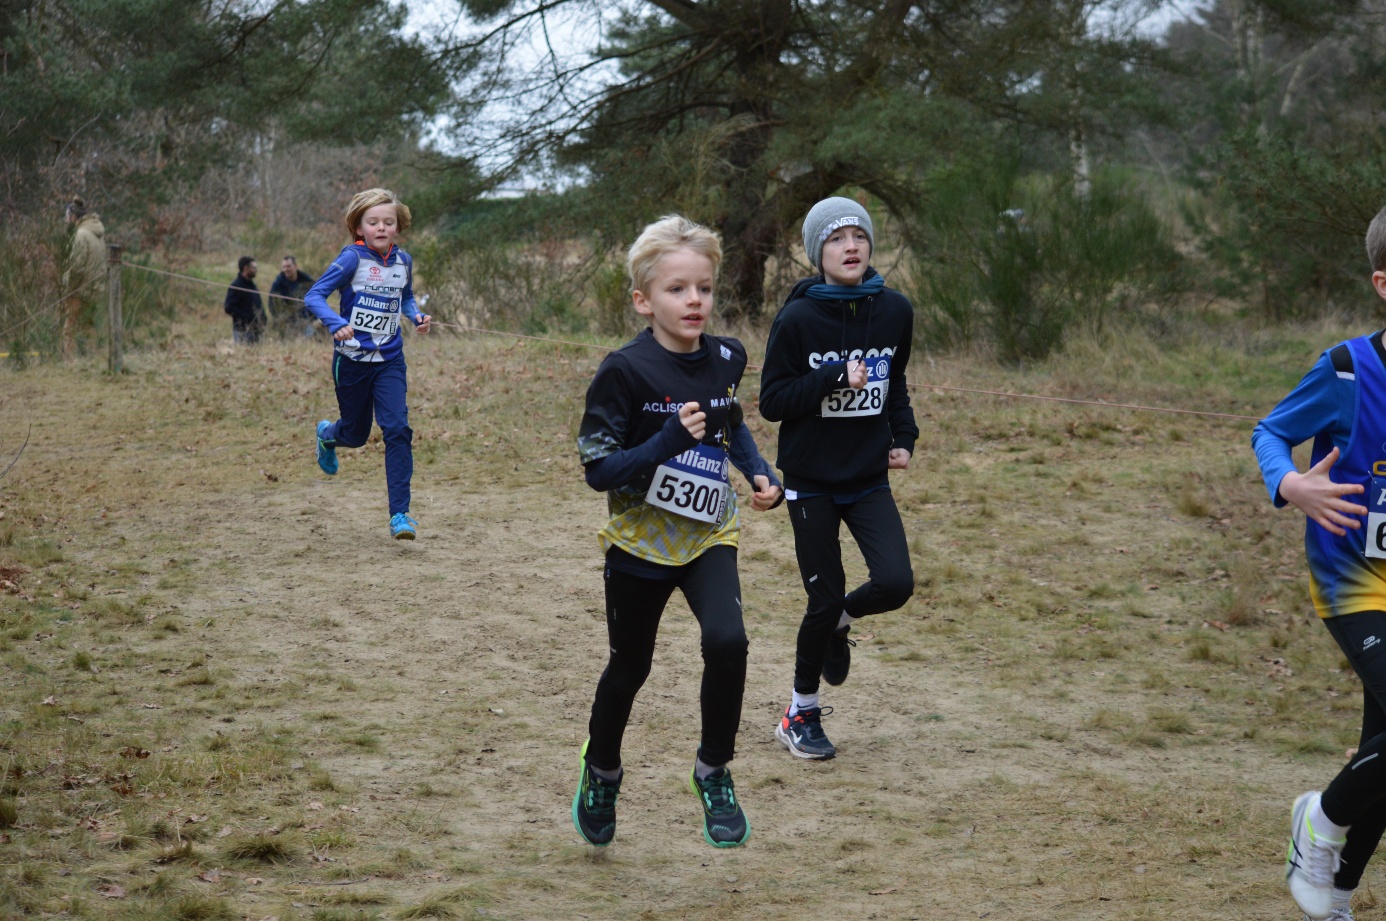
(726, 648)
(897, 589)
(626, 681)
(397, 433)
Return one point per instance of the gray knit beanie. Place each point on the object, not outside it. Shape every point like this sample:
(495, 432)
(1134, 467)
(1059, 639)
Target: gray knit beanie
(828, 215)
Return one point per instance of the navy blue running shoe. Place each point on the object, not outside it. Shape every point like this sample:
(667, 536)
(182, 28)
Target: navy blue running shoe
(724, 824)
(594, 805)
(839, 657)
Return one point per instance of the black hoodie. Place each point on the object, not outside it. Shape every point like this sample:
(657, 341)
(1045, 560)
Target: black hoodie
(833, 439)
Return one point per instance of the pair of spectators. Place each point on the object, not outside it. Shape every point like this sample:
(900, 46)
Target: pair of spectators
(247, 312)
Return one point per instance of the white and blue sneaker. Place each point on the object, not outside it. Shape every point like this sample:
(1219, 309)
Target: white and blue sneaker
(1312, 861)
(327, 451)
(402, 527)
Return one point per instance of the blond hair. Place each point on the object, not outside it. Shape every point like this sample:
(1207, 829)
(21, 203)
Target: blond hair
(362, 202)
(669, 233)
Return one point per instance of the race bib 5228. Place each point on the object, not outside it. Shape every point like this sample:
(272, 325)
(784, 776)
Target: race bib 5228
(869, 400)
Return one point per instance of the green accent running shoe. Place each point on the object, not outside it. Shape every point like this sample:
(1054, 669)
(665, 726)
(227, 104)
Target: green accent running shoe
(594, 804)
(724, 824)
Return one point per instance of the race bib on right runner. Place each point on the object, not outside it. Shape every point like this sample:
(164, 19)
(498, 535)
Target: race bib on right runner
(869, 400)
(692, 484)
(1376, 519)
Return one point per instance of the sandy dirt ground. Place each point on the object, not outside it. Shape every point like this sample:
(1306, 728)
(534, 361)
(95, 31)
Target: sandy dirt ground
(443, 685)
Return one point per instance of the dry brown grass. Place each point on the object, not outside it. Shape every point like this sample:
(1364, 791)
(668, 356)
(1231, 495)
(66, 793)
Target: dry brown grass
(225, 693)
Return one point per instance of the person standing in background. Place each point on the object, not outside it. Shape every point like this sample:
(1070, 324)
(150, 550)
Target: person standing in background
(292, 283)
(84, 275)
(243, 304)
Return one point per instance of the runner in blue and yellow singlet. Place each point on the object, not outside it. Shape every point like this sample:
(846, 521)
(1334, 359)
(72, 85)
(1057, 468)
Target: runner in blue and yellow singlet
(1341, 405)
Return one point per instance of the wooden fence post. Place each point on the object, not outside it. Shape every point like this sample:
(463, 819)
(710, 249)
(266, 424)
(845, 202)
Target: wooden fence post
(116, 362)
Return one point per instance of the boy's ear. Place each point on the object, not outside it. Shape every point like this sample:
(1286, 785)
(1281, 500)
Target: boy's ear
(1379, 283)
(643, 307)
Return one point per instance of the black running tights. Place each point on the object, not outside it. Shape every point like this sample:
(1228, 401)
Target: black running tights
(875, 524)
(1357, 796)
(633, 608)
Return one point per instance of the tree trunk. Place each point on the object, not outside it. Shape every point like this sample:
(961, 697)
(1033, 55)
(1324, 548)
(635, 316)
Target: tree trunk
(748, 231)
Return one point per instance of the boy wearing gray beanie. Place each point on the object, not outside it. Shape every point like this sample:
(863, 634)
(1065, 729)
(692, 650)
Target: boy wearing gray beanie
(829, 215)
(834, 379)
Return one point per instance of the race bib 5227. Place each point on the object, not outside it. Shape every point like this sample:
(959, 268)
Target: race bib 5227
(378, 324)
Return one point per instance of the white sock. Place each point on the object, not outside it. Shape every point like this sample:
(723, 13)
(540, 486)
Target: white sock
(702, 770)
(1323, 826)
(845, 620)
(1342, 898)
(802, 702)
(604, 774)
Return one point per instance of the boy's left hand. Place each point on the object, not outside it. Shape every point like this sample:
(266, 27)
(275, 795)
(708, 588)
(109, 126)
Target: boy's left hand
(424, 323)
(898, 459)
(765, 495)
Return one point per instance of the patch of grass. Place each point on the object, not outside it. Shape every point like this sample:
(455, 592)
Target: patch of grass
(1170, 721)
(458, 903)
(344, 914)
(263, 848)
(355, 897)
(198, 907)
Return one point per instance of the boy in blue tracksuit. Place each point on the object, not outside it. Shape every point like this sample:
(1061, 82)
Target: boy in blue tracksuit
(1341, 405)
(373, 279)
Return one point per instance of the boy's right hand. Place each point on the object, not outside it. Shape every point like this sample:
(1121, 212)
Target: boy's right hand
(693, 420)
(345, 333)
(856, 374)
(1321, 499)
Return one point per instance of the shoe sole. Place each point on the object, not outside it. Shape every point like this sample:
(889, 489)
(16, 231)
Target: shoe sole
(405, 535)
(693, 785)
(577, 797)
(788, 743)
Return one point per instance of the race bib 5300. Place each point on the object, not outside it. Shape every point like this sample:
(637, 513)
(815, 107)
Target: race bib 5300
(869, 400)
(693, 484)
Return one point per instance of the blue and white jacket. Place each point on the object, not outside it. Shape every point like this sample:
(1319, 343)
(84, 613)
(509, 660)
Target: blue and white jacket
(372, 293)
